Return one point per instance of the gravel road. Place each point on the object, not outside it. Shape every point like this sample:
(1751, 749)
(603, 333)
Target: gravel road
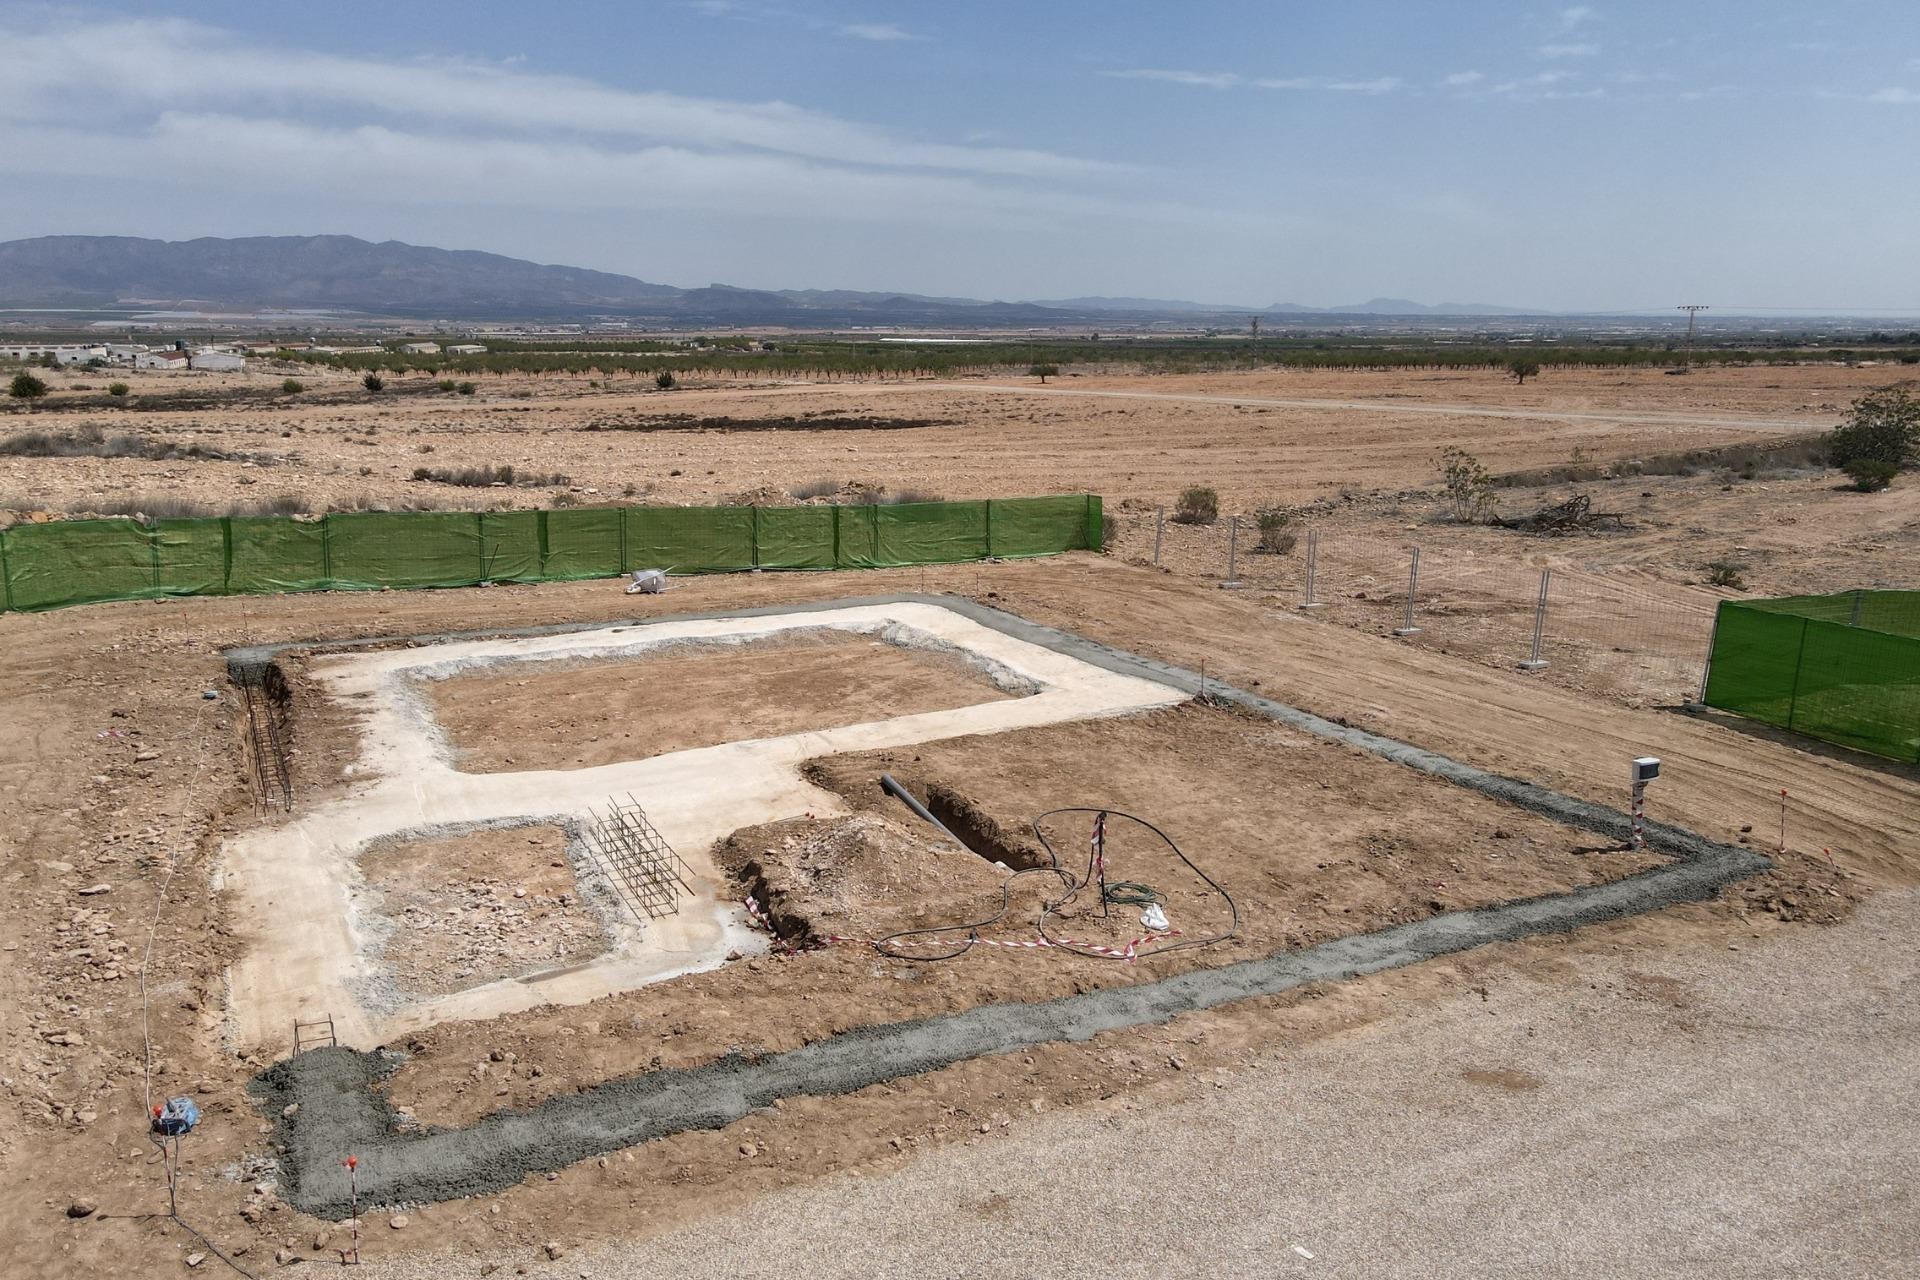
(1706, 1113)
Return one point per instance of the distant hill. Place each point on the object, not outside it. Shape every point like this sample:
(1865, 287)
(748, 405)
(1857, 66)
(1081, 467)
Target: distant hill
(346, 274)
(339, 272)
(1402, 307)
(1151, 306)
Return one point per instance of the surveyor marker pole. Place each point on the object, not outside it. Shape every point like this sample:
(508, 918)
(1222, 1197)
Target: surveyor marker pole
(1534, 661)
(1313, 569)
(1407, 628)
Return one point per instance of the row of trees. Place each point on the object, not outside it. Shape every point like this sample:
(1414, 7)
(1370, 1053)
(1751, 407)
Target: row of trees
(830, 360)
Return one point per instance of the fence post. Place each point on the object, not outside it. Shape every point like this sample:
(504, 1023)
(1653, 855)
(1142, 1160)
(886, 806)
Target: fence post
(1313, 568)
(1534, 661)
(1855, 620)
(1406, 628)
(1233, 582)
(6, 575)
(1159, 531)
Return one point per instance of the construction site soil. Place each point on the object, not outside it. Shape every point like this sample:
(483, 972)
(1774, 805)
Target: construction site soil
(459, 911)
(122, 780)
(572, 714)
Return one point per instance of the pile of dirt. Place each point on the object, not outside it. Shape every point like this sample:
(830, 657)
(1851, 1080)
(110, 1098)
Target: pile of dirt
(856, 876)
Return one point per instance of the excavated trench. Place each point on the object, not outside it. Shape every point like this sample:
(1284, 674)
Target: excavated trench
(340, 1110)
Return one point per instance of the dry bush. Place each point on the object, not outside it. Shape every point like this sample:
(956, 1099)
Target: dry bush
(1276, 537)
(484, 477)
(1198, 505)
(821, 488)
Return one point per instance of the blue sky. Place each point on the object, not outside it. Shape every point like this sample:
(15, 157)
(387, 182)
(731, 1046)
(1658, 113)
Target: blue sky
(1604, 156)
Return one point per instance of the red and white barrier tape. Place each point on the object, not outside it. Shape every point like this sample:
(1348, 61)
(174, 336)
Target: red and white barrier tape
(1129, 953)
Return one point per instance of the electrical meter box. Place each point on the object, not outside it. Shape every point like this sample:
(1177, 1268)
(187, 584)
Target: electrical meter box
(1646, 768)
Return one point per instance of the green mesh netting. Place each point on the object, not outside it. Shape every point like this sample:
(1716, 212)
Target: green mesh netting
(1844, 668)
(46, 566)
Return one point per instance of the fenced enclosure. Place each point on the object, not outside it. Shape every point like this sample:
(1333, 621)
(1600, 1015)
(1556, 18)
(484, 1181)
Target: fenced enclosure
(1844, 668)
(48, 566)
(1578, 614)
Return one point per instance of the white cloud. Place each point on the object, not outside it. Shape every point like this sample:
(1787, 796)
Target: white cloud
(1202, 79)
(1578, 16)
(203, 111)
(882, 32)
(1569, 50)
(1384, 84)
(1895, 97)
(1381, 84)
(168, 64)
(1233, 80)
(1463, 79)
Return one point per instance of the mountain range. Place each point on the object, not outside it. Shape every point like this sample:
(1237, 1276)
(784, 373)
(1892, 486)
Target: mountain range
(347, 274)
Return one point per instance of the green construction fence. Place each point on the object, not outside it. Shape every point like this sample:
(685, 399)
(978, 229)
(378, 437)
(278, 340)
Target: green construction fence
(48, 566)
(1844, 668)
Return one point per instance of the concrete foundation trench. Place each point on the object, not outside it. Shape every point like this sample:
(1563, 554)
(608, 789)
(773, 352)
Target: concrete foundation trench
(340, 1110)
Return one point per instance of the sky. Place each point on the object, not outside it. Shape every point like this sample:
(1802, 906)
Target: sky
(1612, 156)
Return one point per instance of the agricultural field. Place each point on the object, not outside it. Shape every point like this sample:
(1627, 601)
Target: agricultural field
(351, 869)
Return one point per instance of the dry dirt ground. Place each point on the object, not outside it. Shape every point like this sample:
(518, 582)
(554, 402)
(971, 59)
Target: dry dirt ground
(337, 444)
(594, 713)
(121, 779)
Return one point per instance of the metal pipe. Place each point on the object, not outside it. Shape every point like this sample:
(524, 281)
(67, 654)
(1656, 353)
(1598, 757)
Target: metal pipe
(1159, 531)
(1413, 585)
(905, 797)
(1534, 661)
(1313, 567)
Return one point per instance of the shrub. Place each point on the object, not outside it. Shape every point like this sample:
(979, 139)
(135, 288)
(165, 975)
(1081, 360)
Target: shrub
(821, 488)
(1109, 530)
(118, 388)
(1870, 475)
(374, 383)
(447, 384)
(1198, 505)
(287, 504)
(483, 477)
(1276, 538)
(293, 386)
(464, 388)
(1726, 573)
(26, 387)
(664, 380)
(902, 497)
(1469, 485)
(1883, 429)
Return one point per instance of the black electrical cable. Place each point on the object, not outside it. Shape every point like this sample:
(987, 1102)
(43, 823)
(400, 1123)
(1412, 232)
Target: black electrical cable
(1233, 910)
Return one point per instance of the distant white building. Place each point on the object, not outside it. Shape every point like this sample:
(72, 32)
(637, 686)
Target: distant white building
(218, 361)
(61, 355)
(161, 360)
(421, 348)
(467, 349)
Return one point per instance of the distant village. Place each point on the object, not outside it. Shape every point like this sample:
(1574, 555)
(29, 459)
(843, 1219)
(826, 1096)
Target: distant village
(133, 355)
(222, 358)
